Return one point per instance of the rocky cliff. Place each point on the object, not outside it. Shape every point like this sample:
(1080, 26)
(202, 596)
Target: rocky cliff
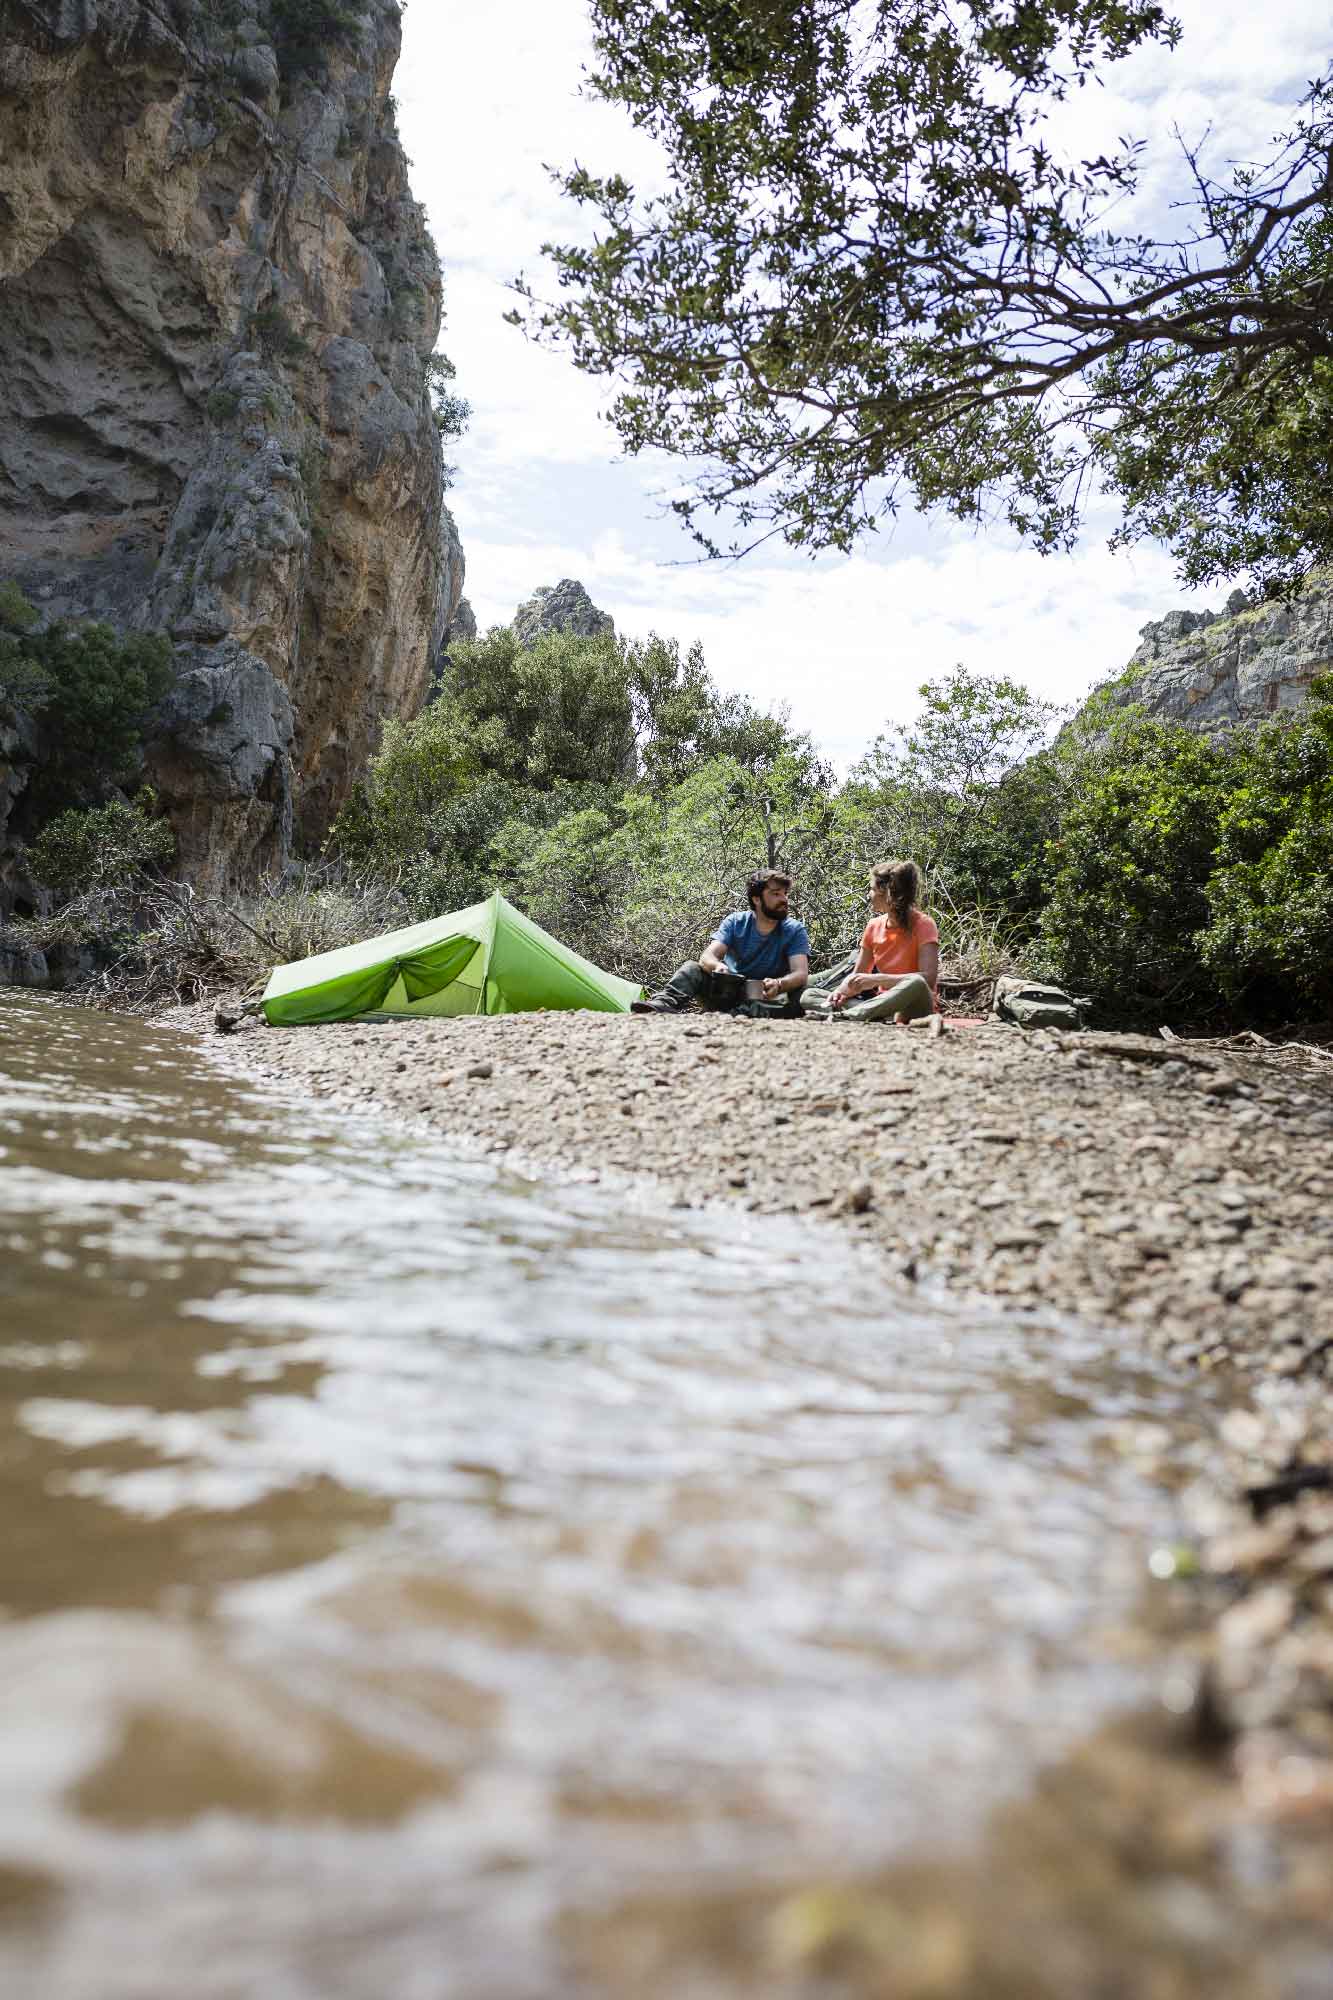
(561, 607)
(218, 299)
(1242, 665)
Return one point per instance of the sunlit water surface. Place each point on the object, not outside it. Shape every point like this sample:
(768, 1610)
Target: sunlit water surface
(402, 1557)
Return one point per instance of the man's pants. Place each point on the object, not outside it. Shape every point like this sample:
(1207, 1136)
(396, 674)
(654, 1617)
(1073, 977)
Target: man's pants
(909, 996)
(693, 981)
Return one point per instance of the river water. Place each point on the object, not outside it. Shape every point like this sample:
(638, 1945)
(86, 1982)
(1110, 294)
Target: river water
(410, 1569)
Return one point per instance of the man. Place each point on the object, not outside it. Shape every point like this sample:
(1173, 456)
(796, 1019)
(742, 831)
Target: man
(763, 945)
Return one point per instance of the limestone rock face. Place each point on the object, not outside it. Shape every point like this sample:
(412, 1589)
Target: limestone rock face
(1242, 666)
(561, 607)
(455, 613)
(217, 301)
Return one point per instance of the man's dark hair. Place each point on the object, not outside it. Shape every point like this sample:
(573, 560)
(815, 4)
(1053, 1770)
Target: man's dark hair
(761, 879)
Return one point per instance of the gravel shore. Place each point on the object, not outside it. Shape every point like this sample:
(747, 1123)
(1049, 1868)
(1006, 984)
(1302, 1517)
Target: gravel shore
(1178, 1189)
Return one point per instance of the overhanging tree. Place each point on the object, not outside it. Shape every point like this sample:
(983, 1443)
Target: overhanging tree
(873, 275)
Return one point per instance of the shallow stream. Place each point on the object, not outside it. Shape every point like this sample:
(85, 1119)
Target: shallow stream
(410, 1569)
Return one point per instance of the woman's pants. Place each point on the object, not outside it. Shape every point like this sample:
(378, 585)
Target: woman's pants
(909, 996)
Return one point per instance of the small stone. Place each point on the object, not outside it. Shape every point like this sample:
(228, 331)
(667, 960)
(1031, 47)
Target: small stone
(481, 1070)
(1251, 1549)
(1221, 1086)
(1244, 1431)
(1318, 1557)
(1256, 1620)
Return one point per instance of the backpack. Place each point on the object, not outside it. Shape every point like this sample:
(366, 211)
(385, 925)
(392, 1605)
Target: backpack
(1029, 1005)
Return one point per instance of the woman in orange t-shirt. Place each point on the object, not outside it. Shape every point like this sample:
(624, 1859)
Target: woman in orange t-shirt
(898, 964)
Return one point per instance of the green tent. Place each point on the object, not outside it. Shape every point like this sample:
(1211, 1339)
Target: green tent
(490, 959)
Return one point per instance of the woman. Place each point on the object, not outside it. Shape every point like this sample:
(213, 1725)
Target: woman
(898, 965)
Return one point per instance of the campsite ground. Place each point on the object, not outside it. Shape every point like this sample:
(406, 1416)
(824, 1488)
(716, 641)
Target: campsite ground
(1179, 1190)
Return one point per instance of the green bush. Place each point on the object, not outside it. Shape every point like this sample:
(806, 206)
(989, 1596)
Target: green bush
(93, 688)
(102, 686)
(17, 616)
(276, 334)
(450, 412)
(105, 847)
(556, 712)
(394, 816)
(1269, 937)
(24, 682)
(1130, 865)
(305, 30)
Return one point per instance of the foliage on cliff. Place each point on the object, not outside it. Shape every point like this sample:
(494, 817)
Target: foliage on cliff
(92, 689)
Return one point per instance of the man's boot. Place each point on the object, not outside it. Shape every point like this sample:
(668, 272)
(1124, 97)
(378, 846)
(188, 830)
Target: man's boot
(688, 982)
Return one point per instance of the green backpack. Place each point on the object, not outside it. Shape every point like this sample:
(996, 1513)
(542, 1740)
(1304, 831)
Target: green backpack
(1034, 1006)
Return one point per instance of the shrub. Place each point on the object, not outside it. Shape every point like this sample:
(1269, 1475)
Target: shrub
(394, 816)
(276, 334)
(1130, 866)
(102, 848)
(556, 712)
(1269, 938)
(305, 30)
(160, 942)
(306, 913)
(93, 686)
(575, 878)
(450, 412)
(16, 614)
(102, 685)
(24, 682)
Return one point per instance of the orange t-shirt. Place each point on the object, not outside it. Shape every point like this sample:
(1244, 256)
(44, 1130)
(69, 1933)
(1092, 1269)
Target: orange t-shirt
(893, 949)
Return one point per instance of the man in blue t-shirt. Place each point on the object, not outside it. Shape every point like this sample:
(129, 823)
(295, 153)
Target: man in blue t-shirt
(762, 949)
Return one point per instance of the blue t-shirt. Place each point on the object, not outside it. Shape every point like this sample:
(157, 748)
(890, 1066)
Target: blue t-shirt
(756, 955)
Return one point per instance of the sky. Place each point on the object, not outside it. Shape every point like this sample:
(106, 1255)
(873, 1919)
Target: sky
(489, 95)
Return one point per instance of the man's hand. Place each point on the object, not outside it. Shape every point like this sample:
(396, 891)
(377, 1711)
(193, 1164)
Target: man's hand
(774, 987)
